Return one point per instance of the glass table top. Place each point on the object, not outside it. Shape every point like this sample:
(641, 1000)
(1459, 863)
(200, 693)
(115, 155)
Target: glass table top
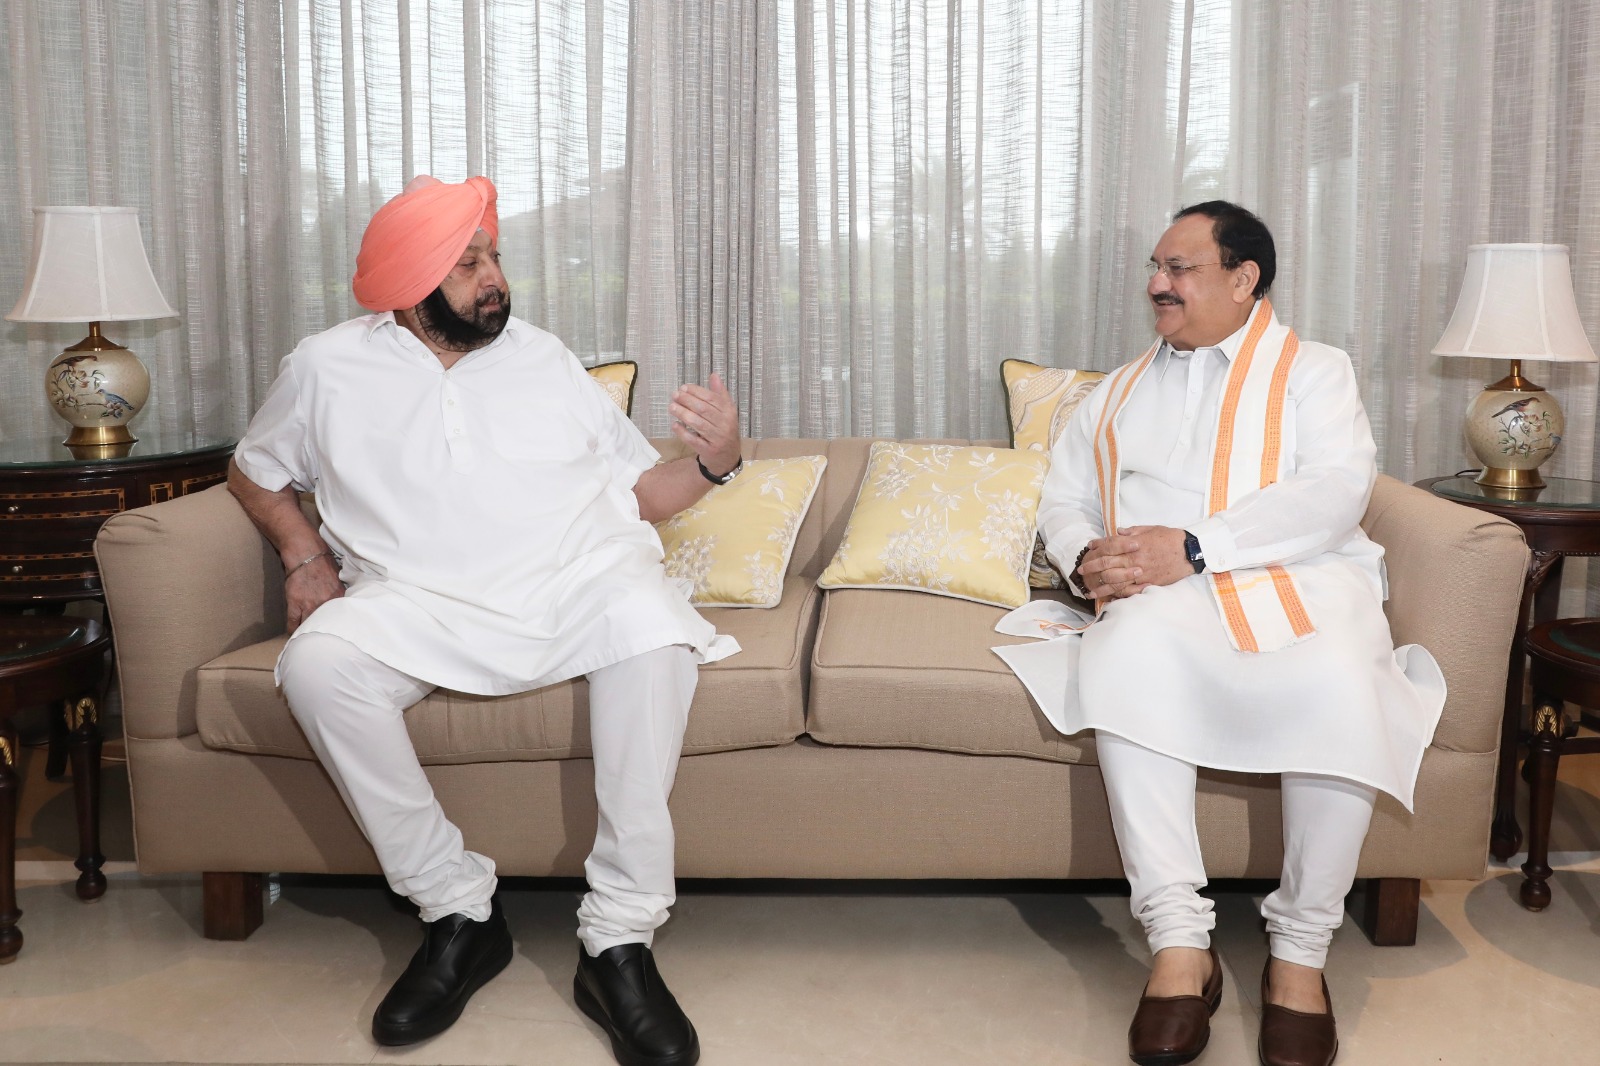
(1579, 639)
(152, 444)
(23, 637)
(1563, 492)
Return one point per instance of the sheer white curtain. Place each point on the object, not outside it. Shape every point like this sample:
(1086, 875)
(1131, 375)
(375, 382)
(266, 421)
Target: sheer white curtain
(971, 180)
(852, 209)
(256, 137)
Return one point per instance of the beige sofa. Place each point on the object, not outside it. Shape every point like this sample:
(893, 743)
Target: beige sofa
(860, 734)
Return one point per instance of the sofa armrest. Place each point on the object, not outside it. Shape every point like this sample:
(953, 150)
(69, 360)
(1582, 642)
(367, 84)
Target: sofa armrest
(1455, 586)
(185, 581)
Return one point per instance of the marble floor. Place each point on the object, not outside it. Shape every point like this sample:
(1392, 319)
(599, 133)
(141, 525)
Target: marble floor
(889, 975)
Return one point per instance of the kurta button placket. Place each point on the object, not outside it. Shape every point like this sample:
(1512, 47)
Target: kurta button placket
(455, 434)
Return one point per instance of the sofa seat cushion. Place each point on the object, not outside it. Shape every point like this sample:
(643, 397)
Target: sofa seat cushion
(750, 700)
(908, 670)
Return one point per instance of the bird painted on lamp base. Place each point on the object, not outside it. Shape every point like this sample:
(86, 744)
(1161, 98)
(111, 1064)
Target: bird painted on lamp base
(1516, 405)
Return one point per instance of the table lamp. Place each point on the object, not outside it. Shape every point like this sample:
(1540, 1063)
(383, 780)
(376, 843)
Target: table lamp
(1516, 303)
(89, 266)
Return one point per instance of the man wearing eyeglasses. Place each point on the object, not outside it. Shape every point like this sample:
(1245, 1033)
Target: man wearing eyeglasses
(1206, 499)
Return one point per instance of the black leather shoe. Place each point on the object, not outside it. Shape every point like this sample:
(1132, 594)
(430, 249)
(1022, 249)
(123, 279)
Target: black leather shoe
(622, 990)
(458, 956)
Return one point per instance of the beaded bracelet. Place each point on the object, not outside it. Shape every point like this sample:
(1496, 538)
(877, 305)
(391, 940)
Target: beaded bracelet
(1075, 580)
(307, 561)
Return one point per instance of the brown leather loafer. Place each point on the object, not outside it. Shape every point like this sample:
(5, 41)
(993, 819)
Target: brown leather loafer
(1295, 1038)
(1173, 1030)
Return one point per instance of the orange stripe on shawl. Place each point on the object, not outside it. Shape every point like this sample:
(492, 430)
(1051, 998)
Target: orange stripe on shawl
(1106, 431)
(1299, 620)
(1276, 395)
(1233, 612)
(1230, 407)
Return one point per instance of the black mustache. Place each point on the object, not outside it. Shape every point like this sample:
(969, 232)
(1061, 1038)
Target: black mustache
(1165, 299)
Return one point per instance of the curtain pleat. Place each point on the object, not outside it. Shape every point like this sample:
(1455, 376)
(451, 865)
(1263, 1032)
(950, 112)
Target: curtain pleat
(852, 210)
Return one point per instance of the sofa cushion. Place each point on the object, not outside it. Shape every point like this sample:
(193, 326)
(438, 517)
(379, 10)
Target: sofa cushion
(944, 519)
(750, 700)
(733, 546)
(909, 670)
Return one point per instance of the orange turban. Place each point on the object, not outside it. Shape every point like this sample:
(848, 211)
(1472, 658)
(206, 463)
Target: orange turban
(415, 239)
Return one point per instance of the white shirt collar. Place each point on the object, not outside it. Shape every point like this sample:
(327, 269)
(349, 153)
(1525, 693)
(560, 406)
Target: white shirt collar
(1229, 346)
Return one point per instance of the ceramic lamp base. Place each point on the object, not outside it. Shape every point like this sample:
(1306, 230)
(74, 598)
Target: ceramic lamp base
(1513, 427)
(97, 386)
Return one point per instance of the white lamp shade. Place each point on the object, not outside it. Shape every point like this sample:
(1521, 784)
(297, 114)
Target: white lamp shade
(89, 266)
(1517, 303)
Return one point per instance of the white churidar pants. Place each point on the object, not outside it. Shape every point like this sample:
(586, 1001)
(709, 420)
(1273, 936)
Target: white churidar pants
(351, 707)
(1152, 799)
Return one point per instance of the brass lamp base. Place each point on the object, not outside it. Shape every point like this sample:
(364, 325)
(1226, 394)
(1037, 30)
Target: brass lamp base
(1514, 427)
(98, 436)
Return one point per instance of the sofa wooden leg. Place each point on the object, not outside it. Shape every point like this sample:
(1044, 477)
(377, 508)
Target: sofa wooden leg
(232, 903)
(1389, 910)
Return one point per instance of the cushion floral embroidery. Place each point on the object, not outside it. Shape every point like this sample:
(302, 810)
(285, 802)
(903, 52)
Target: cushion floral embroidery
(733, 546)
(1039, 400)
(617, 379)
(939, 518)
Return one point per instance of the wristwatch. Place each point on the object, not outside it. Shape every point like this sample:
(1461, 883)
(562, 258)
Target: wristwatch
(1191, 551)
(715, 479)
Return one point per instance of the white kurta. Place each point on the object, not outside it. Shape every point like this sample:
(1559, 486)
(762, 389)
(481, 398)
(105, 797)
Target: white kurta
(485, 514)
(1158, 668)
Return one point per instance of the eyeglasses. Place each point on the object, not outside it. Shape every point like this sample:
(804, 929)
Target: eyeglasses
(1174, 271)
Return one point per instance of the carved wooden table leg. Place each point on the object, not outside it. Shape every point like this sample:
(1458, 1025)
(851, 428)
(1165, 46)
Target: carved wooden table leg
(10, 935)
(1543, 578)
(83, 722)
(1544, 753)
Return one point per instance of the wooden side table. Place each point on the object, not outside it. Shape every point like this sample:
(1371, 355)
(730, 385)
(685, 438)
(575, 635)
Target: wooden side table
(1562, 519)
(53, 502)
(44, 659)
(1565, 667)
(54, 499)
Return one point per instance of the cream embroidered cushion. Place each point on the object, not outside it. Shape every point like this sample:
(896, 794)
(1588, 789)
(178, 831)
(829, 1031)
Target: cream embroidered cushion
(618, 380)
(733, 546)
(943, 519)
(1039, 400)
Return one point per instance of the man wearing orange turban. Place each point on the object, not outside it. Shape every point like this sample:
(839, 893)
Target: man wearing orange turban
(486, 515)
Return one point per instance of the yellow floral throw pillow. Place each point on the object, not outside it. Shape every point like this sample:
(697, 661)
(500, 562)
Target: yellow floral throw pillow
(1040, 399)
(733, 546)
(618, 380)
(944, 519)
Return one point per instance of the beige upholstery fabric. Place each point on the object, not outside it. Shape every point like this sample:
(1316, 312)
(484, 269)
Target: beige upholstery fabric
(1455, 580)
(803, 810)
(752, 699)
(194, 591)
(912, 670)
(186, 581)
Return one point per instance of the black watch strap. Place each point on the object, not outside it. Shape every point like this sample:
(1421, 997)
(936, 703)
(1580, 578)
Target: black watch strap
(1191, 550)
(713, 478)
